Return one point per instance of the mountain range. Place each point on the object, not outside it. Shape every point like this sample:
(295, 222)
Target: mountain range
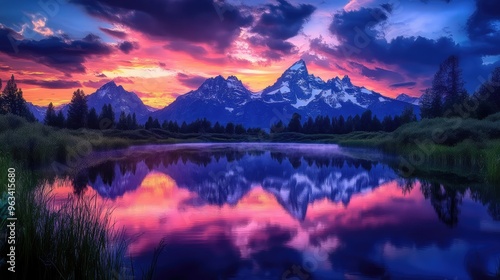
(225, 100)
(225, 174)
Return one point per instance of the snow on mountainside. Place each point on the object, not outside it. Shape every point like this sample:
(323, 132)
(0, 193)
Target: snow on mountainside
(296, 91)
(38, 111)
(408, 99)
(227, 100)
(120, 100)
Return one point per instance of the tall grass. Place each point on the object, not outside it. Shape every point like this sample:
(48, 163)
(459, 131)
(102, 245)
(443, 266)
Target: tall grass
(74, 240)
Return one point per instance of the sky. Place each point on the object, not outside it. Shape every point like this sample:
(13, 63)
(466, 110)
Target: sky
(161, 49)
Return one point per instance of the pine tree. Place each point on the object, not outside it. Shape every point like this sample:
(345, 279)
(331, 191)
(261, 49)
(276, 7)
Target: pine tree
(93, 119)
(326, 125)
(60, 120)
(183, 128)
(365, 121)
(50, 116)
(376, 124)
(308, 127)
(130, 123)
(387, 124)
(341, 125)
(106, 117)
(173, 127)
(12, 101)
(489, 96)
(239, 129)
(229, 128)
(149, 123)
(122, 122)
(408, 116)
(455, 91)
(218, 128)
(134, 122)
(78, 110)
(294, 125)
(156, 124)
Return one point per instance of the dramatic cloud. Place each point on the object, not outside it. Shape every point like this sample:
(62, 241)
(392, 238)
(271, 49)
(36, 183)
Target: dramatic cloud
(279, 23)
(283, 21)
(126, 46)
(191, 81)
(404, 85)
(199, 21)
(100, 83)
(57, 84)
(115, 33)
(58, 53)
(195, 51)
(377, 73)
(483, 27)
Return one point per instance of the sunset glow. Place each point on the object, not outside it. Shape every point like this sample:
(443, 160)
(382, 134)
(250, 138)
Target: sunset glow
(54, 50)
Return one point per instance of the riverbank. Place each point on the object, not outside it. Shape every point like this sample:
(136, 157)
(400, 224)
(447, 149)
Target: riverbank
(431, 145)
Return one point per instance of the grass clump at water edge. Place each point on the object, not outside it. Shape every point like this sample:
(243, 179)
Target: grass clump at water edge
(70, 239)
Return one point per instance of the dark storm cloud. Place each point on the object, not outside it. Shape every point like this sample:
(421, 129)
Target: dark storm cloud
(277, 24)
(404, 85)
(127, 47)
(360, 40)
(276, 48)
(347, 25)
(200, 21)
(377, 73)
(115, 33)
(191, 81)
(62, 54)
(194, 50)
(483, 29)
(59, 84)
(283, 21)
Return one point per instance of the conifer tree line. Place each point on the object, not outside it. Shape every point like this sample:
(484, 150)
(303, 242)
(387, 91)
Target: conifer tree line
(340, 125)
(447, 96)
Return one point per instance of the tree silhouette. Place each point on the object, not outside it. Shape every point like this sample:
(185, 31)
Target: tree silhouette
(230, 128)
(489, 96)
(12, 101)
(50, 116)
(78, 110)
(60, 120)
(294, 125)
(93, 119)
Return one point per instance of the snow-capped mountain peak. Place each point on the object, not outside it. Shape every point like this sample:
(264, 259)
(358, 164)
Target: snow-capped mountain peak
(298, 69)
(408, 99)
(346, 80)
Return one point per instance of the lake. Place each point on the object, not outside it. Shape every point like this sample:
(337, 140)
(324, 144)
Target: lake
(291, 211)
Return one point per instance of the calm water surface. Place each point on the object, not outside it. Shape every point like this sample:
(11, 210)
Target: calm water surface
(282, 211)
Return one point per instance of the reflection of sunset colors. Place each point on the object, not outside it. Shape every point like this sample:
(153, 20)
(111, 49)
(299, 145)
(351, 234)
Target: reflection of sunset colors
(155, 52)
(158, 208)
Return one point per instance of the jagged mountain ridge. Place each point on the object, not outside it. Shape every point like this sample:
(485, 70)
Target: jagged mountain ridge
(408, 99)
(221, 182)
(120, 100)
(296, 91)
(227, 100)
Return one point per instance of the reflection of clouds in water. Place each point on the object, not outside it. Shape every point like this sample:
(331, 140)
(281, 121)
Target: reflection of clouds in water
(271, 213)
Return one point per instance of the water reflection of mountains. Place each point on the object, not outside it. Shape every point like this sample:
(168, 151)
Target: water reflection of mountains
(224, 176)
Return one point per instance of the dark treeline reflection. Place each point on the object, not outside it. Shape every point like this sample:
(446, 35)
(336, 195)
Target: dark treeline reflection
(223, 176)
(446, 198)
